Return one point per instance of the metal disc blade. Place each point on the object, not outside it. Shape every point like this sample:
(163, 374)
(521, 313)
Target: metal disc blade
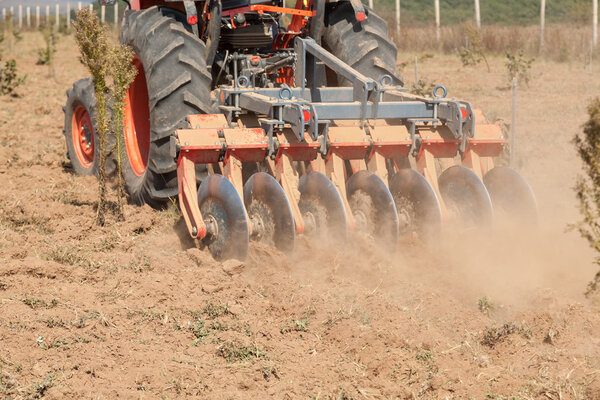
(511, 195)
(320, 198)
(466, 199)
(373, 207)
(417, 204)
(220, 203)
(268, 206)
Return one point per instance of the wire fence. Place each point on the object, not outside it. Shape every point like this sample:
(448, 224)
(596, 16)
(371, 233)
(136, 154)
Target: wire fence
(28, 16)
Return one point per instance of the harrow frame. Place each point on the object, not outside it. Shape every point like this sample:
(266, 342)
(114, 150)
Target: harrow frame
(370, 126)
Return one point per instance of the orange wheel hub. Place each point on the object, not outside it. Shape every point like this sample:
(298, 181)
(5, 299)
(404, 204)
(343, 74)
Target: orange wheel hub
(136, 129)
(82, 132)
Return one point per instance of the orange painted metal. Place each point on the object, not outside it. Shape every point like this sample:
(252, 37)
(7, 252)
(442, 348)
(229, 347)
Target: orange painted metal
(247, 145)
(348, 142)
(198, 121)
(288, 177)
(283, 10)
(295, 149)
(82, 134)
(390, 141)
(202, 146)
(438, 141)
(136, 120)
(188, 196)
(481, 150)
(335, 170)
(262, 8)
(298, 21)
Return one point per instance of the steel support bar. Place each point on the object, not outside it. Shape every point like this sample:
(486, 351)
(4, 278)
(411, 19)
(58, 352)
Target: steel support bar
(263, 104)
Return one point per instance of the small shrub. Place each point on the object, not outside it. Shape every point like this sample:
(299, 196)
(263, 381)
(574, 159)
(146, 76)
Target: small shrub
(123, 73)
(486, 306)
(93, 41)
(234, 351)
(472, 53)
(518, 66)
(112, 73)
(587, 188)
(214, 310)
(422, 88)
(40, 388)
(494, 335)
(296, 326)
(9, 78)
(46, 55)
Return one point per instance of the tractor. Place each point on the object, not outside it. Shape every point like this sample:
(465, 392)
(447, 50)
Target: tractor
(269, 122)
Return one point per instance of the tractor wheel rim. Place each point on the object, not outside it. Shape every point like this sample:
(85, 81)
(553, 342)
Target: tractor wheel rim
(136, 122)
(83, 136)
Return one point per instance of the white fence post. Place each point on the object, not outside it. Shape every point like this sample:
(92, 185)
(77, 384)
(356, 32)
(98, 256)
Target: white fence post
(477, 14)
(20, 17)
(4, 14)
(47, 15)
(37, 16)
(91, 7)
(28, 13)
(117, 15)
(437, 20)
(371, 4)
(595, 22)
(102, 14)
(78, 6)
(513, 123)
(68, 16)
(542, 22)
(398, 18)
(57, 15)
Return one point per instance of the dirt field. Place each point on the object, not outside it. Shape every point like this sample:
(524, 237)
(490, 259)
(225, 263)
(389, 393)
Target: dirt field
(134, 310)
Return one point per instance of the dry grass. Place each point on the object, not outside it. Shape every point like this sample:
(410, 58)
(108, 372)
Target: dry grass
(563, 42)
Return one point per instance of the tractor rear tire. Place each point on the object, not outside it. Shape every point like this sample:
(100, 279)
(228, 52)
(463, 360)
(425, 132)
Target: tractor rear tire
(173, 81)
(80, 128)
(364, 46)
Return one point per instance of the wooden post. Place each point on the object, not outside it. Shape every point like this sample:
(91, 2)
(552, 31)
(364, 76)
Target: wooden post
(416, 71)
(398, 19)
(28, 13)
(513, 123)
(477, 15)
(57, 15)
(117, 15)
(595, 22)
(20, 17)
(37, 16)
(542, 22)
(102, 14)
(68, 16)
(437, 20)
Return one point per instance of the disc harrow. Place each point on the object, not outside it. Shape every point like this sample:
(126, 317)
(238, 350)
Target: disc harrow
(370, 158)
